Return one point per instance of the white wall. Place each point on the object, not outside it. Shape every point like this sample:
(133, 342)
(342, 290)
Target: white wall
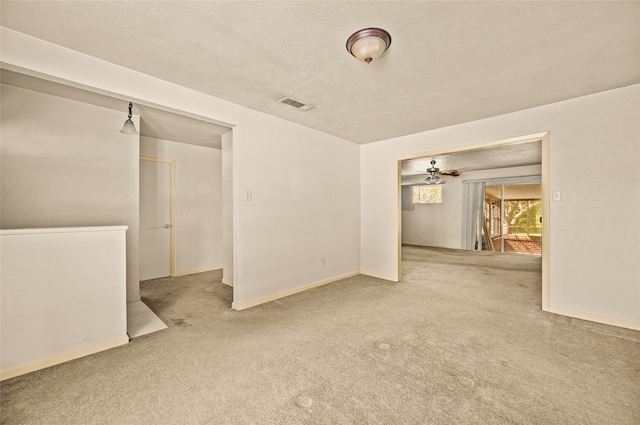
(305, 184)
(63, 295)
(594, 250)
(305, 206)
(227, 208)
(593, 267)
(198, 198)
(66, 164)
(441, 224)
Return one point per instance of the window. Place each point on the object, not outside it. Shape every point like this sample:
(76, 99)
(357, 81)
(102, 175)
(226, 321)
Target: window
(522, 217)
(427, 194)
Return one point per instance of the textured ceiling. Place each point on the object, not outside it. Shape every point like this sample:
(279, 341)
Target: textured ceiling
(515, 155)
(449, 62)
(153, 122)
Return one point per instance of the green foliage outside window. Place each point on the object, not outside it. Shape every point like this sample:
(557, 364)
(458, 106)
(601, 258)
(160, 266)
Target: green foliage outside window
(523, 217)
(427, 194)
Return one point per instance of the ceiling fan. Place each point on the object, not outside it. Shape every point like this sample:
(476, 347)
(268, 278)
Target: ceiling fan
(434, 173)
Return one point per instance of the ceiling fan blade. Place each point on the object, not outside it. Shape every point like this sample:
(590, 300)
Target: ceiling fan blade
(454, 173)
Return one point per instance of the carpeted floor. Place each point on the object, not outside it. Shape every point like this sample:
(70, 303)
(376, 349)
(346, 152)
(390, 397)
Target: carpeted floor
(461, 340)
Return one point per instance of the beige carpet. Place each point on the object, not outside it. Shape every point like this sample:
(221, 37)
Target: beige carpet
(461, 340)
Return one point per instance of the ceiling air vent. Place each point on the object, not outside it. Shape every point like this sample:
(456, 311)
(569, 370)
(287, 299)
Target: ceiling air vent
(296, 104)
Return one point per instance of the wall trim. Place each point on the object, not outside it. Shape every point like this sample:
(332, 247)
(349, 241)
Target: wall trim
(62, 358)
(594, 318)
(380, 276)
(546, 221)
(278, 295)
(195, 271)
(227, 282)
(428, 246)
(474, 146)
(544, 138)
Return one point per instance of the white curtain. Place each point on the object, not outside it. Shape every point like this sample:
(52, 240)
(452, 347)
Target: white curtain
(472, 212)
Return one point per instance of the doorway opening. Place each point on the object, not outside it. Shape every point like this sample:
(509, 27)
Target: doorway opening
(488, 149)
(157, 218)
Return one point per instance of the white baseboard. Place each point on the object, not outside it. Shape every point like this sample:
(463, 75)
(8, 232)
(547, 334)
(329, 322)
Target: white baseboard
(227, 282)
(61, 358)
(379, 276)
(273, 297)
(428, 246)
(595, 318)
(188, 272)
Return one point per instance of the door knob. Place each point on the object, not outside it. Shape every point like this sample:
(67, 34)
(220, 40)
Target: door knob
(167, 226)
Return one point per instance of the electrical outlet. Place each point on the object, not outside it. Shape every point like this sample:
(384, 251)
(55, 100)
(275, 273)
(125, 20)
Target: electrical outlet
(323, 262)
(247, 195)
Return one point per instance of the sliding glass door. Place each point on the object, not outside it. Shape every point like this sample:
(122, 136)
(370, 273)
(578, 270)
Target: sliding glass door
(502, 214)
(513, 218)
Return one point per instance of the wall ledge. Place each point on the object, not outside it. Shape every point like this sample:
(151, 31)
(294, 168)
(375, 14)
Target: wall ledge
(44, 230)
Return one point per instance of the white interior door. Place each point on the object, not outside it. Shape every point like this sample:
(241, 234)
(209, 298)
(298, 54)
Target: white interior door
(155, 219)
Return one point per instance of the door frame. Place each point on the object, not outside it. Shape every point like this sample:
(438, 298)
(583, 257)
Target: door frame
(172, 190)
(544, 137)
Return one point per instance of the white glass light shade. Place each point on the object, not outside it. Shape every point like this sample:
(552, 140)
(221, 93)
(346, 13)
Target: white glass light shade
(368, 49)
(368, 44)
(129, 127)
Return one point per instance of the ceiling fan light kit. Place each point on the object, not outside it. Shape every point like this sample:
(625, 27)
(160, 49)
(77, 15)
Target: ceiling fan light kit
(368, 44)
(433, 176)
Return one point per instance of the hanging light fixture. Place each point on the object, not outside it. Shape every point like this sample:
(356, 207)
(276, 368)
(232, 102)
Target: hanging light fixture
(129, 127)
(368, 44)
(433, 174)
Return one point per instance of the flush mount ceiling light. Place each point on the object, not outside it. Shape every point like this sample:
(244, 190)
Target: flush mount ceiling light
(368, 44)
(433, 174)
(129, 127)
